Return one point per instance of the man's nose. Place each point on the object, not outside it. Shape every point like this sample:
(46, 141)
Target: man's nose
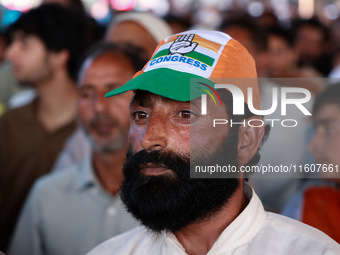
(100, 102)
(315, 145)
(155, 135)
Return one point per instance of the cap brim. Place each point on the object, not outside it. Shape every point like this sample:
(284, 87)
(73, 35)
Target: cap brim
(165, 82)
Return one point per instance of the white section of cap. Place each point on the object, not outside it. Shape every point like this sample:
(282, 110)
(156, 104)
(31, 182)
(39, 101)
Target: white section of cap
(214, 36)
(199, 49)
(157, 27)
(181, 66)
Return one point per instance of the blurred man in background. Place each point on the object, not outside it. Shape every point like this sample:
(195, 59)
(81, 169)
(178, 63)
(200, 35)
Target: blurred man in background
(71, 211)
(311, 43)
(283, 58)
(253, 37)
(12, 92)
(46, 43)
(318, 203)
(142, 30)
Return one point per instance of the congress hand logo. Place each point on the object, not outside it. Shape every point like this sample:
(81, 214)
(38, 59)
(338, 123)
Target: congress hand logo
(183, 45)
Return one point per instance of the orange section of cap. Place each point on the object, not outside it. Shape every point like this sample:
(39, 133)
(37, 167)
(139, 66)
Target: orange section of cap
(137, 74)
(234, 62)
(207, 44)
(236, 66)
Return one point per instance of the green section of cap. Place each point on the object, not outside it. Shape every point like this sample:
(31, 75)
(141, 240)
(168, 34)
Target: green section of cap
(166, 82)
(161, 53)
(201, 57)
(195, 55)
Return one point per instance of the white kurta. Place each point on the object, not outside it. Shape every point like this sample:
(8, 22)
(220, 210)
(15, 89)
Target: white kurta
(253, 232)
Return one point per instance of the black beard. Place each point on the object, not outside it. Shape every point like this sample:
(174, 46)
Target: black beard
(173, 201)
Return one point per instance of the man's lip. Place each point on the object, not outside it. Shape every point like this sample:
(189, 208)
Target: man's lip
(153, 169)
(102, 123)
(15, 68)
(102, 127)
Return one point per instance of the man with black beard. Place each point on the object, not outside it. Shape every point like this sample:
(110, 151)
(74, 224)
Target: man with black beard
(175, 189)
(170, 133)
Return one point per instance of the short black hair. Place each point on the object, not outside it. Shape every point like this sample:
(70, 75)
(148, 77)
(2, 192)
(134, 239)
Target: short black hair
(59, 28)
(133, 53)
(76, 4)
(282, 33)
(331, 95)
(312, 22)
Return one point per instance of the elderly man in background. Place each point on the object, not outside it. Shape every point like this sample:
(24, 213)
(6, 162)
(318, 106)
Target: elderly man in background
(70, 211)
(142, 30)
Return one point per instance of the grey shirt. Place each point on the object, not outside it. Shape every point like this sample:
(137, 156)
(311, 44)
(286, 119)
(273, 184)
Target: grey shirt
(68, 212)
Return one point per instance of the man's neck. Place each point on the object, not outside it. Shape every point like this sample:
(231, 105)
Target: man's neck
(56, 102)
(108, 168)
(198, 238)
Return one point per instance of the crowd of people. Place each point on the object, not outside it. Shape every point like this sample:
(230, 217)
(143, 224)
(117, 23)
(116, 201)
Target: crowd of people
(70, 157)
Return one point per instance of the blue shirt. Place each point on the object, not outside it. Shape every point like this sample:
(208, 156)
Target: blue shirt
(68, 212)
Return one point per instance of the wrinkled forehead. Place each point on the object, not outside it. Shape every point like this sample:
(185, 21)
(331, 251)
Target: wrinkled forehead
(20, 35)
(148, 99)
(145, 98)
(327, 110)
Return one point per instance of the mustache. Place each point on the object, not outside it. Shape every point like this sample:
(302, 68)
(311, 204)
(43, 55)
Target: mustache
(103, 118)
(170, 160)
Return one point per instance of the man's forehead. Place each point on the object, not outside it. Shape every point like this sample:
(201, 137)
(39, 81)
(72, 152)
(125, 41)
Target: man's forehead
(328, 109)
(147, 99)
(19, 34)
(327, 113)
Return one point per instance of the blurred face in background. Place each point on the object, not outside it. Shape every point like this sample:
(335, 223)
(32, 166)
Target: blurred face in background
(280, 57)
(309, 43)
(32, 63)
(105, 120)
(243, 36)
(325, 145)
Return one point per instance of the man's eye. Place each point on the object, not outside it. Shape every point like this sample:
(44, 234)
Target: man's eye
(140, 115)
(328, 128)
(86, 94)
(185, 114)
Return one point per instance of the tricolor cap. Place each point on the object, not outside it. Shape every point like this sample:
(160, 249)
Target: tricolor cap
(209, 55)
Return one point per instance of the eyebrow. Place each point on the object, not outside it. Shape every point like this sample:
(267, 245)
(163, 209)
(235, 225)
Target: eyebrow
(196, 104)
(145, 99)
(141, 99)
(324, 121)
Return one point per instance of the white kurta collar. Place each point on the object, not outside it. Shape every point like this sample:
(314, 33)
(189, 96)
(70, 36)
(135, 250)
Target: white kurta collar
(239, 232)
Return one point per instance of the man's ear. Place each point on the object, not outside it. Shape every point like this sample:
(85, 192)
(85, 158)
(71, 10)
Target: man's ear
(60, 58)
(249, 139)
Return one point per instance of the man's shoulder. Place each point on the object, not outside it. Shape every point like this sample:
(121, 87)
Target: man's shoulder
(58, 181)
(303, 237)
(17, 114)
(130, 242)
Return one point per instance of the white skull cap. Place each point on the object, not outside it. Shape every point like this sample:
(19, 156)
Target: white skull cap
(157, 27)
